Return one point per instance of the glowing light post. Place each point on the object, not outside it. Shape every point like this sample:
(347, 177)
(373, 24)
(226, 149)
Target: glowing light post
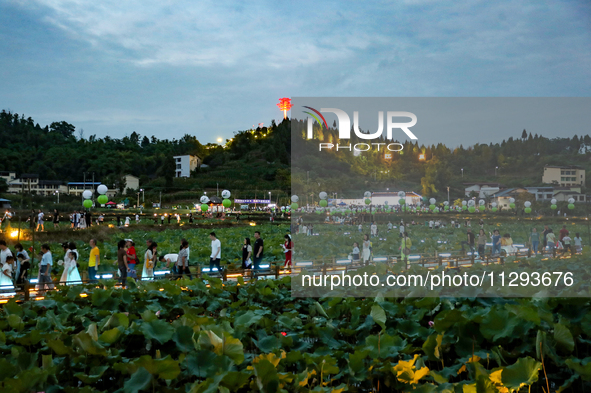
(284, 105)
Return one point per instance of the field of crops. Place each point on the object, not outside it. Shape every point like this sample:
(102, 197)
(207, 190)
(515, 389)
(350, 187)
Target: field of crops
(186, 337)
(335, 240)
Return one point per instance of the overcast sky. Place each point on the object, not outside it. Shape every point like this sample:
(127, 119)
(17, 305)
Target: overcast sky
(210, 68)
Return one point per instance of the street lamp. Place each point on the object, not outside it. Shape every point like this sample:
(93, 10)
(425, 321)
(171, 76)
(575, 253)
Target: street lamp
(269, 197)
(496, 168)
(422, 157)
(143, 196)
(448, 195)
(58, 196)
(462, 173)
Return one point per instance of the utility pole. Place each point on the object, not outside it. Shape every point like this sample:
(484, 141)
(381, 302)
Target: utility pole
(160, 203)
(448, 195)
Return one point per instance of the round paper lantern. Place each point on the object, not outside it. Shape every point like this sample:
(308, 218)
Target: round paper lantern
(553, 201)
(102, 189)
(436, 210)
(367, 201)
(373, 212)
(227, 203)
(318, 211)
(527, 210)
(401, 201)
(527, 204)
(494, 209)
(481, 202)
(323, 195)
(553, 207)
(471, 202)
(432, 206)
(102, 199)
(494, 204)
(294, 206)
(512, 205)
(87, 194)
(464, 207)
(204, 199)
(226, 194)
(348, 211)
(367, 194)
(432, 201)
(445, 203)
(295, 198)
(425, 199)
(204, 207)
(471, 209)
(571, 206)
(464, 203)
(446, 208)
(571, 200)
(401, 194)
(323, 203)
(511, 200)
(87, 203)
(481, 208)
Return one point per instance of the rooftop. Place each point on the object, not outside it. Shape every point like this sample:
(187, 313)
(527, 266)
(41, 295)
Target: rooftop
(563, 167)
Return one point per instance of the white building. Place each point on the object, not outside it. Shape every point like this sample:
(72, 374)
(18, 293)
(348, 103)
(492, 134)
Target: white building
(185, 165)
(131, 183)
(483, 190)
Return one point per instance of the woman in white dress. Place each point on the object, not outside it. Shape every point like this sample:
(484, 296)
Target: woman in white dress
(6, 283)
(66, 261)
(73, 273)
(127, 221)
(366, 250)
(149, 262)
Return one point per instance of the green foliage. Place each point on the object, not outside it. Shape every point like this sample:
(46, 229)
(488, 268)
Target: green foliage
(255, 337)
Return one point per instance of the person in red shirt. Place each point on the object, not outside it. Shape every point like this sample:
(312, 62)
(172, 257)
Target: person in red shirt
(131, 258)
(563, 232)
(288, 247)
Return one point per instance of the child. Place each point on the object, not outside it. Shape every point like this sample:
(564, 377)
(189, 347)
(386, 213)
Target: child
(566, 242)
(578, 243)
(24, 271)
(355, 252)
(6, 275)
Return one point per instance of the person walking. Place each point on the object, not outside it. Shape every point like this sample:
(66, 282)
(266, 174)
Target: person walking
(366, 249)
(551, 240)
(6, 284)
(216, 252)
(405, 246)
(122, 262)
(287, 249)
(481, 243)
(355, 253)
(73, 276)
(182, 264)
(132, 258)
(56, 218)
(258, 250)
(496, 242)
(469, 240)
(578, 243)
(40, 221)
(246, 254)
(22, 257)
(66, 261)
(149, 262)
(45, 282)
(93, 261)
(534, 240)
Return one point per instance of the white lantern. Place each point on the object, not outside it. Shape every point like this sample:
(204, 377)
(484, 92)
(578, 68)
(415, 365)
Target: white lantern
(571, 200)
(527, 204)
(367, 194)
(432, 201)
(471, 202)
(464, 203)
(401, 194)
(102, 189)
(204, 199)
(87, 194)
(385, 203)
(494, 204)
(295, 198)
(553, 201)
(511, 200)
(226, 194)
(481, 202)
(323, 195)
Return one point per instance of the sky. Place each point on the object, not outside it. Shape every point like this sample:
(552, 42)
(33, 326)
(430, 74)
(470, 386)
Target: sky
(211, 68)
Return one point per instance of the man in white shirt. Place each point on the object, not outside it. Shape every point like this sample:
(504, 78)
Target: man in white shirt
(401, 227)
(374, 229)
(170, 258)
(216, 252)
